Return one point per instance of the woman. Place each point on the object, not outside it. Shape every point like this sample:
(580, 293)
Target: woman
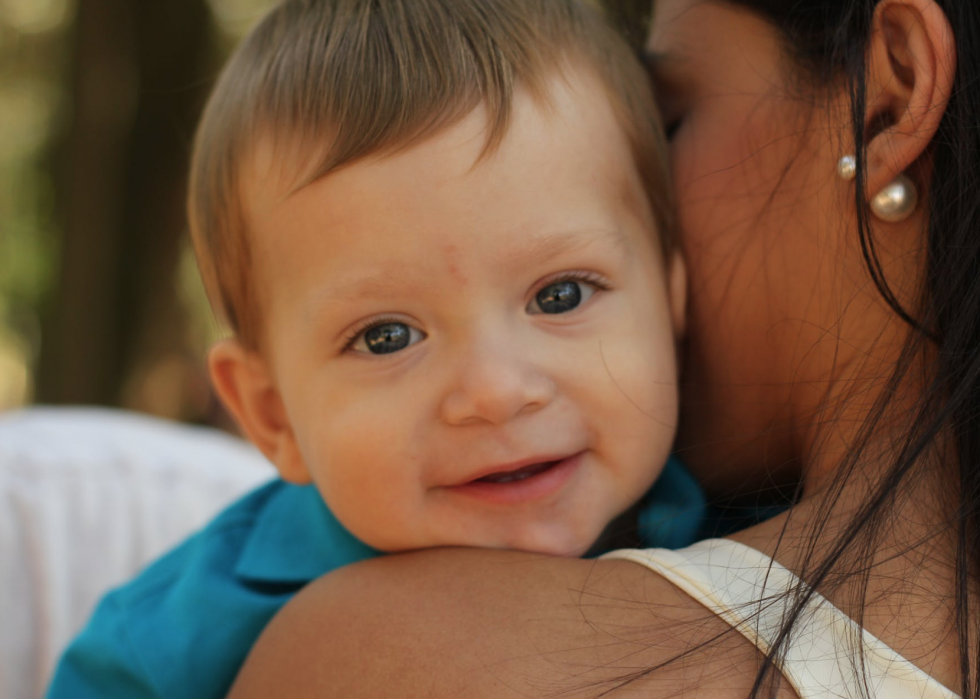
(834, 342)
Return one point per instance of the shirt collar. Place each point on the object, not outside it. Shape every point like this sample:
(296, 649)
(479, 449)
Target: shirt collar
(296, 539)
(673, 510)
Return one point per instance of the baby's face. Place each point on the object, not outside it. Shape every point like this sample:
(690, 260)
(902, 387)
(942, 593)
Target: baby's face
(475, 352)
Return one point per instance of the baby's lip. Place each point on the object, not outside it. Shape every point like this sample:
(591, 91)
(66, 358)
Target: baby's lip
(510, 467)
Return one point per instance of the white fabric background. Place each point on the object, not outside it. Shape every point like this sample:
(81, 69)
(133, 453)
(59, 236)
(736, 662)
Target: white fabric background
(87, 498)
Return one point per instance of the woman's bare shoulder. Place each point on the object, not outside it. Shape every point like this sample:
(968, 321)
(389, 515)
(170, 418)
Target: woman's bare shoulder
(477, 623)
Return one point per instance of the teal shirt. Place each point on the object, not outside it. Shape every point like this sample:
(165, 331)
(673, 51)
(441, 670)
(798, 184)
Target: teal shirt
(183, 627)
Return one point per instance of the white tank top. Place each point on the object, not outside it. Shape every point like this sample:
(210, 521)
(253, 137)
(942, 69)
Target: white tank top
(752, 592)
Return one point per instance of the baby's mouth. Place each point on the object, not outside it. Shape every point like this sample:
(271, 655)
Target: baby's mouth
(518, 475)
(527, 483)
(522, 485)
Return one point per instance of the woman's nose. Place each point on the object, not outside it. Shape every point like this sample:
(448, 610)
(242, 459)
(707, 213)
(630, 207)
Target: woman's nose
(494, 387)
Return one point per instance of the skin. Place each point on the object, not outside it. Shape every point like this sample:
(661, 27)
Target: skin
(784, 334)
(455, 250)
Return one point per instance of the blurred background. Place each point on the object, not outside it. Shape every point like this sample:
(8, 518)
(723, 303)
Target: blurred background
(100, 302)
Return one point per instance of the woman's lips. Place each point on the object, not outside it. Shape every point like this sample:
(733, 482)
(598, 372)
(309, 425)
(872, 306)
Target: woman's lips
(524, 484)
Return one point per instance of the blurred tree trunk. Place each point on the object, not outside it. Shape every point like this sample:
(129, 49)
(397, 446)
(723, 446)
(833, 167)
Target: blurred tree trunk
(136, 92)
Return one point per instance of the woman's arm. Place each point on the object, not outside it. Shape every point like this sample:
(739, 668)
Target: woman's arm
(476, 623)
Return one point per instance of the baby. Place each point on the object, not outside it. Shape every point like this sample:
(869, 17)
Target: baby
(440, 232)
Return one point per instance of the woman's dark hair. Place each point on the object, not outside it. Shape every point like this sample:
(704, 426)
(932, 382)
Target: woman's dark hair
(828, 40)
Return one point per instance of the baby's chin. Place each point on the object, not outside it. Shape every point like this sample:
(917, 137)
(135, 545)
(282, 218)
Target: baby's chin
(546, 541)
(552, 543)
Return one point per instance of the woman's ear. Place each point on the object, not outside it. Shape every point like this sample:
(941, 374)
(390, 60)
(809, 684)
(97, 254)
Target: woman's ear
(677, 293)
(911, 67)
(248, 390)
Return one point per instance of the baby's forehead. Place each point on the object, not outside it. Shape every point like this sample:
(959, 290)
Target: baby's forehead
(277, 160)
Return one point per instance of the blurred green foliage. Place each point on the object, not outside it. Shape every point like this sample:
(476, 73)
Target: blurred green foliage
(31, 99)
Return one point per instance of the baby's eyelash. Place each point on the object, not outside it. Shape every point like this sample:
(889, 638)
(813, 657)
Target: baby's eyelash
(596, 280)
(361, 328)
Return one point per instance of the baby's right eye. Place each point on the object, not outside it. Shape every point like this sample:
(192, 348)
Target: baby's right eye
(385, 337)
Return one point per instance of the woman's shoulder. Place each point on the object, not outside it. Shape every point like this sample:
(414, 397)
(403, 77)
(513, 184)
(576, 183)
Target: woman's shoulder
(478, 623)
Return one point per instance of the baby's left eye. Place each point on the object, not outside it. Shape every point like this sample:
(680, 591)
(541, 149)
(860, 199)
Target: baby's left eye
(561, 297)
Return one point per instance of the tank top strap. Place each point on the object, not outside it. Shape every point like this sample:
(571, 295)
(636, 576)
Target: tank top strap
(754, 594)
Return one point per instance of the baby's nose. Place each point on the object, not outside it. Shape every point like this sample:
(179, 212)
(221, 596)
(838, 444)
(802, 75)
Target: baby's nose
(494, 387)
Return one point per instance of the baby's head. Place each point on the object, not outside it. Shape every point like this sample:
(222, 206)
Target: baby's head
(440, 233)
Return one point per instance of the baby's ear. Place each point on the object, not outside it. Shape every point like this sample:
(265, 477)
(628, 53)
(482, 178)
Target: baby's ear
(248, 390)
(677, 292)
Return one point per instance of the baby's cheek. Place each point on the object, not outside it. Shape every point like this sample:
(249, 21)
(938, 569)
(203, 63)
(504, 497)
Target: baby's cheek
(367, 476)
(358, 438)
(640, 422)
(374, 506)
(641, 386)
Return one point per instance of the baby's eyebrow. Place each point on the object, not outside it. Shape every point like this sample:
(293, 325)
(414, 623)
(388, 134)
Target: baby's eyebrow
(345, 292)
(542, 247)
(382, 285)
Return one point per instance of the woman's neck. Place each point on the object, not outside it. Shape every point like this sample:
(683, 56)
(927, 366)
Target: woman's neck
(891, 535)
(894, 569)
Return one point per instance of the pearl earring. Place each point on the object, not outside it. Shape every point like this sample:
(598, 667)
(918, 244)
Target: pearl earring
(847, 168)
(897, 201)
(894, 203)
